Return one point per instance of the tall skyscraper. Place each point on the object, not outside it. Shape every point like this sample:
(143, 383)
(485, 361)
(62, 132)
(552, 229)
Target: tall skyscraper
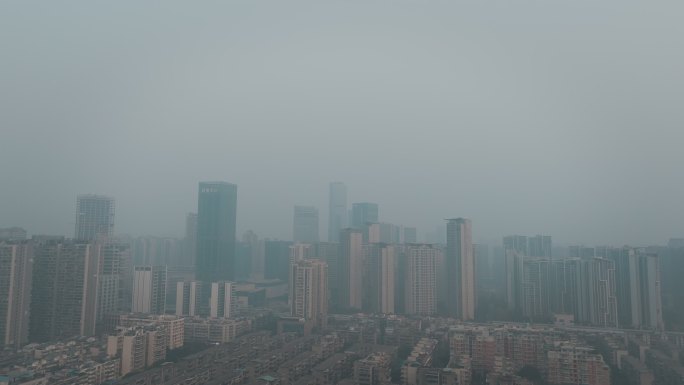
(597, 303)
(460, 269)
(337, 211)
(378, 280)
(223, 300)
(650, 291)
(305, 224)
(363, 214)
(309, 291)
(637, 280)
(421, 279)
(627, 286)
(256, 252)
(401, 267)
(564, 291)
(64, 291)
(529, 283)
(329, 253)
(114, 278)
(216, 224)
(350, 269)
(149, 289)
(535, 288)
(583, 252)
(94, 217)
(16, 263)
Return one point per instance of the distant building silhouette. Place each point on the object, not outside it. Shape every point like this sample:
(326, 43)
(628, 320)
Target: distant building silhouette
(460, 269)
(277, 260)
(305, 224)
(540, 246)
(410, 235)
(190, 241)
(12, 234)
(337, 211)
(363, 214)
(94, 217)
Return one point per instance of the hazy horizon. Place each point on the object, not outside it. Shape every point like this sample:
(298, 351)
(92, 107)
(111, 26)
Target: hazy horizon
(561, 118)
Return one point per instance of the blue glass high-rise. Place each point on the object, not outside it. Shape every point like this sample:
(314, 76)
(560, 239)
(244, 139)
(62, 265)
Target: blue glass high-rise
(216, 223)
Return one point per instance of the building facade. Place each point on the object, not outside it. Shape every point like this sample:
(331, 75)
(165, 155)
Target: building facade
(64, 290)
(364, 213)
(216, 226)
(309, 291)
(149, 289)
(16, 272)
(350, 270)
(305, 224)
(337, 210)
(188, 297)
(12, 234)
(94, 217)
(223, 301)
(378, 280)
(460, 269)
(421, 279)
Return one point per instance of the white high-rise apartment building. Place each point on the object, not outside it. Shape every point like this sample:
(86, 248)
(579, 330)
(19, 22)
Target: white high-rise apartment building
(149, 289)
(421, 279)
(309, 291)
(188, 297)
(223, 300)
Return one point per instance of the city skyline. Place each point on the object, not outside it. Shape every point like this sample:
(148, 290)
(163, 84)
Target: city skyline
(341, 193)
(146, 311)
(426, 235)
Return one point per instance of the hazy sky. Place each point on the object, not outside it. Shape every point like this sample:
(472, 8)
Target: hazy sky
(556, 117)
